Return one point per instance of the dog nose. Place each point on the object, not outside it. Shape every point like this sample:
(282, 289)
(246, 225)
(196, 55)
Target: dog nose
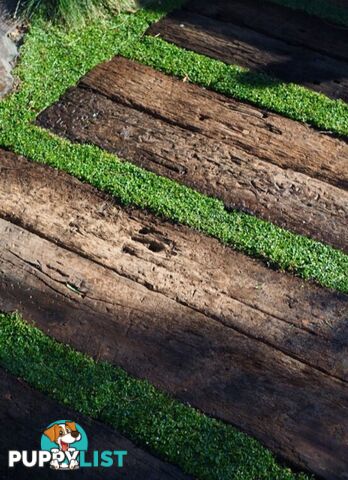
(75, 434)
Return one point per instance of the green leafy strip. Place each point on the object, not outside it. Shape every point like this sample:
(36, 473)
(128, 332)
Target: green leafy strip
(288, 99)
(201, 446)
(52, 60)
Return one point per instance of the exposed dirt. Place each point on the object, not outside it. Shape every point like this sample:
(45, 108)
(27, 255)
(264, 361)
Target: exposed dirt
(261, 163)
(26, 413)
(129, 288)
(284, 43)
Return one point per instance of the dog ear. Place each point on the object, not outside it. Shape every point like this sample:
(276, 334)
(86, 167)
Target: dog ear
(52, 433)
(71, 425)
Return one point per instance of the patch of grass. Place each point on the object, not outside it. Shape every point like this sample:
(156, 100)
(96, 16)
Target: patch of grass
(201, 446)
(321, 8)
(53, 59)
(73, 12)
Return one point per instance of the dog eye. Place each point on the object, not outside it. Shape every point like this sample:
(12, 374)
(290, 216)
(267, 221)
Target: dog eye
(61, 432)
(68, 430)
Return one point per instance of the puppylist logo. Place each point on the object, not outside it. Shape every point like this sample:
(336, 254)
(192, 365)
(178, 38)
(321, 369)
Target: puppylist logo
(64, 446)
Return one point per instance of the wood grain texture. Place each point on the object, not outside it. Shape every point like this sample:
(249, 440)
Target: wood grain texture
(268, 136)
(235, 41)
(134, 290)
(26, 413)
(253, 161)
(291, 26)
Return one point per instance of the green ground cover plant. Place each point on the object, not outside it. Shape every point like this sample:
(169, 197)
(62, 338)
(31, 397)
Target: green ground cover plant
(287, 99)
(53, 59)
(203, 447)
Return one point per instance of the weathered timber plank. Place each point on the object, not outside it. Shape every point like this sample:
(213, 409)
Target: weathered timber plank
(235, 44)
(226, 166)
(217, 333)
(92, 226)
(300, 412)
(291, 26)
(267, 136)
(26, 413)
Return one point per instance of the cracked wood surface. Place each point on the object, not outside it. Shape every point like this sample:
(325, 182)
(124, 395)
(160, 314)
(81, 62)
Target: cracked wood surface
(296, 27)
(129, 288)
(255, 161)
(284, 43)
(25, 414)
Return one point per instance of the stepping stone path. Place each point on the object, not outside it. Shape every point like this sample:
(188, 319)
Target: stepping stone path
(257, 348)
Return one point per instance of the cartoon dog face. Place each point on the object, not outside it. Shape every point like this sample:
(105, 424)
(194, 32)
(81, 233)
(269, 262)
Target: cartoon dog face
(63, 434)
